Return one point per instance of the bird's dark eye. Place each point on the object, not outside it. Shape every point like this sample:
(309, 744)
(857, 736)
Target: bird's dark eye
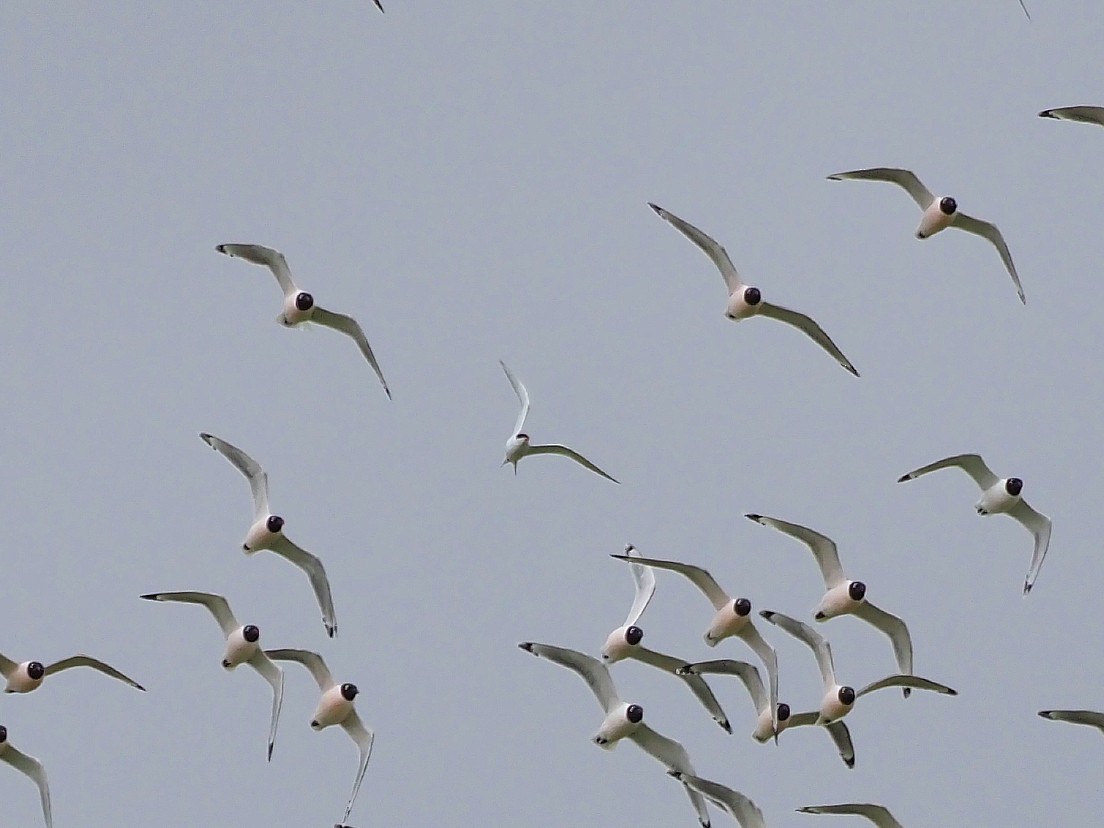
(522, 436)
(35, 670)
(857, 590)
(752, 295)
(742, 607)
(846, 695)
(349, 691)
(783, 712)
(947, 205)
(3, 734)
(634, 713)
(633, 635)
(304, 301)
(274, 523)
(251, 633)
(1013, 486)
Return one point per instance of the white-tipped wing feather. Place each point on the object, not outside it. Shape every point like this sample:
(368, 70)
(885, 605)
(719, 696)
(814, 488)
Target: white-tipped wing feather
(216, 604)
(877, 814)
(316, 572)
(350, 327)
(309, 659)
(267, 257)
(707, 245)
(972, 464)
(81, 660)
(698, 576)
(823, 548)
(592, 671)
(808, 326)
(906, 179)
(988, 230)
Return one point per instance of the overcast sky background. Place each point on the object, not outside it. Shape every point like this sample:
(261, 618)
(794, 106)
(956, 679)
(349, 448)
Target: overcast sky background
(470, 181)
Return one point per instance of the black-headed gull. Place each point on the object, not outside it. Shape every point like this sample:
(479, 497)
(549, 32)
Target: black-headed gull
(624, 642)
(749, 675)
(999, 495)
(839, 699)
(623, 721)
(744, 300)
(877, 814)
(29, 766)
(845, 597)
(267, 531)
(732, 616)
(1081, 717)
(1079, 114)
(938, 213)
(334, 708)
(29, 675)
(242, 646)
(299, 306)
(733, 803)
(518, 446)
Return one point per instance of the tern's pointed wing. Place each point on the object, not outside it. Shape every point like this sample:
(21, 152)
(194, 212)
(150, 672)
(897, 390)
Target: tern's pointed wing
(738, 806)
(364, 739)
(317, 574)
(32, 768)
(81, 660)
(698, 686)
(592, 671)
(258, 480)
(915, 682)
(274, 676)
(747, 673)
(1081, 114)
(972, 464)
(707, 245)
(769, 657)
(989, 231)
(892, 626)
(842, 738)
(698, 576)
(808, 326)
(522, 395)
(1081, 717)
(674, 756)
(554, 448)
(350, 327)
(814, 640)
(1038, 525)
(822, 547)
(219, 606)
(905, 179)
(309, 659)
(645, 583)
(266, 256)
(875, 813)
(6, 666)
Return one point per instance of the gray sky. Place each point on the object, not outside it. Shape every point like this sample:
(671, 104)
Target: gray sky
(470, 181)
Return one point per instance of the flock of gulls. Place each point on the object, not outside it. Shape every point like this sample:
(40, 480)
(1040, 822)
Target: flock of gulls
(731, 617)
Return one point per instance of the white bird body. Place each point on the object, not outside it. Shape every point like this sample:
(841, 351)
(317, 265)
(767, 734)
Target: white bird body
(616, 726)
(618, 646)
(726, 623)
(20, 680)
(934, 219)
(997, 500)
(836, 601)
(333, 708)
(27, 676)
(239, 649)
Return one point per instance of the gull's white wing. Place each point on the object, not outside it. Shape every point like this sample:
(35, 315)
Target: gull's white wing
(810, 328)
(1081, 114)
(81, 660)
(815, 641)
(522, 395)
(738, 806)
(707, 245)
(842, 738)
(823, 548)
(569, 452)
(905, 179)
(892, 626)
(32, 768)
(592, 671)
(309, 659)
(698, 686)
(698, 576)
(875, 813)
(674, 756)
(989, 231)
(915, 682)
(1038, 525)
(219, 606)
(274, 676)
(750, 634)
(747, 673)
(258, 480)
(1081, 717)
(6, 666)
(317, 574)
(350, 327)
(972, 464)
(364, 739)
(272, 259)
(645, 583)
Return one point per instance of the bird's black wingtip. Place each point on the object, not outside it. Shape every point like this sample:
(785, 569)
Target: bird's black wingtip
(768, 614)
(756, 518)
(1046, 714)
(527, 646)
(655, 207)
(152, 596)
(1048, 113)
(904, 477)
